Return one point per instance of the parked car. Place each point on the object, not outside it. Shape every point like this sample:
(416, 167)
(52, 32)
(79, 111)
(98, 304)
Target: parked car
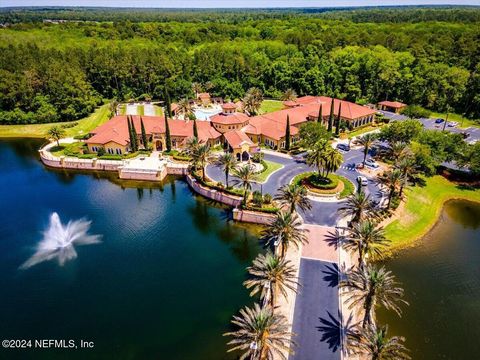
(362, 180)
(438, 121)
(371, 163)
(299, 159)
(452, 124)
(343, 147)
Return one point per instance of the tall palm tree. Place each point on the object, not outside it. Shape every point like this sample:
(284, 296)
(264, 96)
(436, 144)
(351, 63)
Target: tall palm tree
(197, 88)
(408, 168)
(269, 276)
(293, 196)
(366, 239)
(190, 149)
(316, 156)
(374, 343)
(391, 179)
(56, 133)
(358, 207)
(370, 287)
(397, 149)
(366, 141)
(200, 155)
(285, 230)
(260, 334)
(185, 108)
(252, 101)
(289, 95)
(228, 162)
(245, 175)
(333, 160)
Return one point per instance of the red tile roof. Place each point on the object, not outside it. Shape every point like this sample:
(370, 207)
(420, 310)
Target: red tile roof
(229, 119)
(116, 129)
(290, 103)
(229, 106)
(392, 104)
(204, 96)
(237, 138)
(268, 127)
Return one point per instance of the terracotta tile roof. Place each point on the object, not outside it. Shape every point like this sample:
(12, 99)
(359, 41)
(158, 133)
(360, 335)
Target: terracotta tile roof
(392, 104)
(269, 127)
(290, 103)
(229, 119)
(204, 96)
(237, 138)
(229, 106)
(116, 129)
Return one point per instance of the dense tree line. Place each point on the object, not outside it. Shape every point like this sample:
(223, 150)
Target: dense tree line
(53, 72)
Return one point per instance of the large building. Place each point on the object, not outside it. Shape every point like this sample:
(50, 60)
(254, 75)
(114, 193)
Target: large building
(236, 131)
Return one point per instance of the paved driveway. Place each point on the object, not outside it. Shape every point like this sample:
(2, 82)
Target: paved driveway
(316, 316)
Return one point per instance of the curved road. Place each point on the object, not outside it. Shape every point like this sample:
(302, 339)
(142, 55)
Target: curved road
(323, 212)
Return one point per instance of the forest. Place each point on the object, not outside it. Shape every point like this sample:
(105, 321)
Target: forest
(58, 71)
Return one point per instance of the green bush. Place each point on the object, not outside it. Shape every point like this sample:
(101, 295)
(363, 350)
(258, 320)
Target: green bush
(87, 156)
(415, 112)
(265, 209)
(329, 183)
(267, 198)
(257, 198)
(258, 157)
(111, 157)
(101, 151)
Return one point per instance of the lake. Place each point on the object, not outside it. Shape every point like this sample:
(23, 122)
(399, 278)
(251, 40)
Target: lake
(162, 284)
(441, 278)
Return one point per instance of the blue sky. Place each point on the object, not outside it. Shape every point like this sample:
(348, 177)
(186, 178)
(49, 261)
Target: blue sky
(223, 3)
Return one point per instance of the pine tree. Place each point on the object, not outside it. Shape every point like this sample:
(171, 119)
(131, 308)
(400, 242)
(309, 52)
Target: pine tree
(144, 134)
(320, 115)
(195, 130)
(337, 128)
(287, 134)
(332, 116)
(168, 140)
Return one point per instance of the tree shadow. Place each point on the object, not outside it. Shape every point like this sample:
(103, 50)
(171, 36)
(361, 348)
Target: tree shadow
(336, 332)
(332, 275)
(335, 238)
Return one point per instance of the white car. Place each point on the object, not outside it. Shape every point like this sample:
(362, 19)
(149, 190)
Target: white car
(362, 180)
(452, 124)
(371, 163)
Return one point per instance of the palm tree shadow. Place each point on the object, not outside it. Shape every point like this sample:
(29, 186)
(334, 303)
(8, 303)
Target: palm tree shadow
(332, 275)
(336, 331)
(335, 238)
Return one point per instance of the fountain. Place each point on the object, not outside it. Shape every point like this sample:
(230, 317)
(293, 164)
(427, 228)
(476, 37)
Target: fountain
(59, 240)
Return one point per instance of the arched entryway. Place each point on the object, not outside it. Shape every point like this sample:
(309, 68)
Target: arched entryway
(245, 156)
(158, 145)
(238, 156)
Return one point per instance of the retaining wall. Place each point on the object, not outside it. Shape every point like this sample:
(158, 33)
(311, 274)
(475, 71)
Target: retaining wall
(253, 217)
(214, 194)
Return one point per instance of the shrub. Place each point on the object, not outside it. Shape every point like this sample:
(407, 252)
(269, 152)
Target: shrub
(257, 198)
(416, 112)
(87, 156)
(321, 183)
(111, 157)
(265, 209)
(267, 198)
(181, 158)
(101, 151)
(258, 157)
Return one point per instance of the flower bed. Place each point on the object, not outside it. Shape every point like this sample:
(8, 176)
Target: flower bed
(334, 184)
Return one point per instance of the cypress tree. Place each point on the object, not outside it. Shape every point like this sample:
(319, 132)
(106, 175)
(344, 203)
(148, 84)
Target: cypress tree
(195, 130)
(331, 118)
(134, 137)
(168, 105)
(132, 144)
(144, 134)
(320, 115)
(287, 134)
(168, 140)
(337, 128)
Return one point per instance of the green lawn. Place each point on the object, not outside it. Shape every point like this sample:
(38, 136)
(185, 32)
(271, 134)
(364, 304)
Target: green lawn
(140, 110)
(123, 109)
(158, 110)
(270, 106)
(422, 209)
(462, 121)
(272, 167)
(39, 130)
(362, 130)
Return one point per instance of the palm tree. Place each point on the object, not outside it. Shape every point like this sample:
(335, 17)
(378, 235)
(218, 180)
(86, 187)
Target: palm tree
(270, 275)
(293, 196)
(370, 287)
(392, 180)
(260, 334)
(366, 239)
(245, 177)
(191, 147)
(333, 160)
(397, 149)
(366, 140)
(228, 162)
(252, 101)
(376, 345)
(289, 95)
(408, 167)
(185, 108)
(358, 207)
(56, 133)
(285, 230)
(316, 156)
(200, 153)
(197, 88)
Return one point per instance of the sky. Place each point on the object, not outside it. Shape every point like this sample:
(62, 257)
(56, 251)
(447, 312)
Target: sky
(229, 4)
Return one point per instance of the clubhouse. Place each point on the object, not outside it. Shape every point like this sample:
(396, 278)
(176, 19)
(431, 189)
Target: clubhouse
(234, 130)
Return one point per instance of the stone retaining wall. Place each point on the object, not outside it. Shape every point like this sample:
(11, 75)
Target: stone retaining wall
(212, 194)
(253, 217)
